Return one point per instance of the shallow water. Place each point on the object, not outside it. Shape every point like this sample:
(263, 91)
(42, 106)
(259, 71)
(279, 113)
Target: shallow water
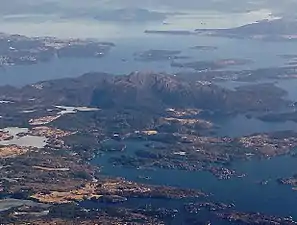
(9, 203)
(24, 141)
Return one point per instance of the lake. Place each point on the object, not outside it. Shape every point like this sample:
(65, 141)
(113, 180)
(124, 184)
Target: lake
(246, 193)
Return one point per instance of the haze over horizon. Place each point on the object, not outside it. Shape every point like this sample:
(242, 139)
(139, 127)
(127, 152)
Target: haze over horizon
(57, 18)
(284, 7)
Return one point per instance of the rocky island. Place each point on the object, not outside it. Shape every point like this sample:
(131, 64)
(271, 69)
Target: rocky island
(282, 29)
(159, 55)
(22, 50)
(211, 65)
